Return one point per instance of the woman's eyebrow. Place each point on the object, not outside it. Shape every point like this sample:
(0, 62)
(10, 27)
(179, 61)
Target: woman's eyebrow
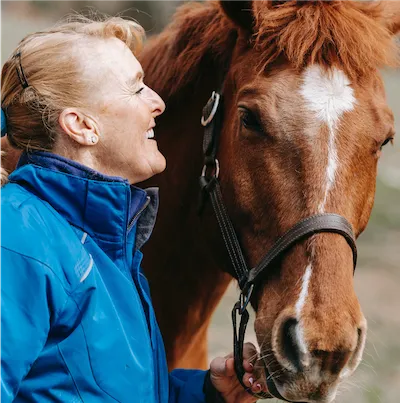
(134, 80)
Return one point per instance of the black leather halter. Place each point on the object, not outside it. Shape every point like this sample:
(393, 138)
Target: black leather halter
(248, 278)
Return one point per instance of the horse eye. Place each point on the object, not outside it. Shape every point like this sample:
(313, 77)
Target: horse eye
(249, 120)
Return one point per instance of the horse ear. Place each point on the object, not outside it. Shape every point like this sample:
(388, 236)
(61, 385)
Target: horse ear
(240, 12)
(391, 16)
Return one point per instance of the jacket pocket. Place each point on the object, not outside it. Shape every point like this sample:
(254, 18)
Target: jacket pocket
(117, 338)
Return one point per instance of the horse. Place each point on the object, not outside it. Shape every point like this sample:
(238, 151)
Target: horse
(304, 122)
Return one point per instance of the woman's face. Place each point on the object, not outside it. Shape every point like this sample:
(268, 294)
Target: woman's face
(124, 109)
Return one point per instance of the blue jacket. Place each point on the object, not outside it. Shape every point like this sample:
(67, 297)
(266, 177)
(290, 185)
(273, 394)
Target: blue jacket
(77, 323)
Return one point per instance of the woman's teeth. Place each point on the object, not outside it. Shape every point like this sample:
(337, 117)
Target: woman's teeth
(150, 134)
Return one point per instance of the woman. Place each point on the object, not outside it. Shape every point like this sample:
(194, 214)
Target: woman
(77, 319)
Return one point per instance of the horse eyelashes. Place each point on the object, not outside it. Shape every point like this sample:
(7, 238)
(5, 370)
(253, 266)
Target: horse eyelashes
(249, 120)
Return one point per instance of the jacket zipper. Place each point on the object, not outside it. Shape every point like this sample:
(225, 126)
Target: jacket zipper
(132, 222)
(149, 341)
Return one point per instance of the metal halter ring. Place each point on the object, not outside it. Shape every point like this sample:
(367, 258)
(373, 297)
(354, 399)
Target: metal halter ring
(214, 97)
(204, 171)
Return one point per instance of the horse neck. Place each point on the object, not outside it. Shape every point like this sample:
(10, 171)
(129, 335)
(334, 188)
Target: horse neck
(182, 262)
(184, 65)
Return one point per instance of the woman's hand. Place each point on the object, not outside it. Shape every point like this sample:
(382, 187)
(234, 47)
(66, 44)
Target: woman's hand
(223, 377)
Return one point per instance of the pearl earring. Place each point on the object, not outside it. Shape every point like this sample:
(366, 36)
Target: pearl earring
(93, 139)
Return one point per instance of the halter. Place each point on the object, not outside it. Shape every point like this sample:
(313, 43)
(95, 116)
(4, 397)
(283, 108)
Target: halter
(249, 278)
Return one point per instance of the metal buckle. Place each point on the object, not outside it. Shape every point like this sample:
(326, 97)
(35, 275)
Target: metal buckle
(215, 97)
(245, 299)
(216, 166)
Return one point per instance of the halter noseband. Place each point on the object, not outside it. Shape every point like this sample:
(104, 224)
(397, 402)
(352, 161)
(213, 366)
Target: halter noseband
(249, 278)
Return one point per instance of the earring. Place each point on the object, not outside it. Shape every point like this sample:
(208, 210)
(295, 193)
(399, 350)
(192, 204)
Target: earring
(94, 139)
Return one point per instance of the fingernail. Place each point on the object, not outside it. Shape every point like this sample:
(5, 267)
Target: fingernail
(251, 365)
(251, 380)
(259, 386)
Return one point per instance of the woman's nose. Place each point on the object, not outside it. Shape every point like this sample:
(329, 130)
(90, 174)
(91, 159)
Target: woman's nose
(157, 104)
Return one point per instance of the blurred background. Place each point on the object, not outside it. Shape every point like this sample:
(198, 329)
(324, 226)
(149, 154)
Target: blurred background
(377, 277)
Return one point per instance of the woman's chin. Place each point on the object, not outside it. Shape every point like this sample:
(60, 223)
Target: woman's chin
(153, 167)
(159, 165)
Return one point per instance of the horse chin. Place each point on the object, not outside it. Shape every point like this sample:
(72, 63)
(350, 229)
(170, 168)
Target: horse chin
(272, 388)
(275, 389)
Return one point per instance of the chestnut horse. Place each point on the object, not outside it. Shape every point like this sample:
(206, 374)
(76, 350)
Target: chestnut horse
(305, 119)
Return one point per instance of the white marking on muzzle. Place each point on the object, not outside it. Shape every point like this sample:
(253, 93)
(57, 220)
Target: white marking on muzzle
(328, 94)
(299, 307)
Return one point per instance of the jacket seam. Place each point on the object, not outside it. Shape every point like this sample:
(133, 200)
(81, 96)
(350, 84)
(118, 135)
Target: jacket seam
(57, 312)
(30, 196)
(69, 372)
(42, 264)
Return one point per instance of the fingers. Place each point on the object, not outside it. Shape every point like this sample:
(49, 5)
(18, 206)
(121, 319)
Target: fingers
(250, 353)
(226, 366)
(248, 366)
(230, 367)
(218, 366)
(224, 378)
(253, 383)
(253, 378)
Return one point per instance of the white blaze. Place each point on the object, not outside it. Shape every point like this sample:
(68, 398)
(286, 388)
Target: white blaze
(299, 307)
(328, 95)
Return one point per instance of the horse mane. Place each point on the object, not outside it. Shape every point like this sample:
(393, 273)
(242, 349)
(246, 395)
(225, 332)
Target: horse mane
(200, 40)
(348, 34)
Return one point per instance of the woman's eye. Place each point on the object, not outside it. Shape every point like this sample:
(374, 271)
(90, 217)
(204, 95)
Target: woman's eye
(139, 91)
(388, 140)
(249, 120)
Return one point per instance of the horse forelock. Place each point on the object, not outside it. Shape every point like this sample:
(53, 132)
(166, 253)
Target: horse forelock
(350, 35)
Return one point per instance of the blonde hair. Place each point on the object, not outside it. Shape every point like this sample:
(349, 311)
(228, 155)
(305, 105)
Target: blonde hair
(54, 76)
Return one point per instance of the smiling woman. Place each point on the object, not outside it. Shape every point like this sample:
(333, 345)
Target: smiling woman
(63, 92)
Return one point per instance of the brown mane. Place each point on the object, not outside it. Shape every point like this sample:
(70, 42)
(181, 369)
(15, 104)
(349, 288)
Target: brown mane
(347, 34)
(201, 38)
(199, 34)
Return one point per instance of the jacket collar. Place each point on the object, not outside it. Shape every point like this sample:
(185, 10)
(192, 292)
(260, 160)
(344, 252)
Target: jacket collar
(105, 207)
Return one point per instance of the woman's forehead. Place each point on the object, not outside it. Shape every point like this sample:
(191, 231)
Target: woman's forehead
(111, 59)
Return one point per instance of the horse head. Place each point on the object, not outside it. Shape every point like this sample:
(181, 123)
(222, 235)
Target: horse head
(305, 121)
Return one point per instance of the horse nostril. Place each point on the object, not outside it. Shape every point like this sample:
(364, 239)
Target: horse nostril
(289, 346)
(357, 355)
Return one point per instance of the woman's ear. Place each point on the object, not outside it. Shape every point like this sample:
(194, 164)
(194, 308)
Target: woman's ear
(79, 127)
(240, 13)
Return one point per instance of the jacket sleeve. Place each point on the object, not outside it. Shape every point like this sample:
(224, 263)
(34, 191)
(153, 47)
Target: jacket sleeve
(30, 296)
(186, 386)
